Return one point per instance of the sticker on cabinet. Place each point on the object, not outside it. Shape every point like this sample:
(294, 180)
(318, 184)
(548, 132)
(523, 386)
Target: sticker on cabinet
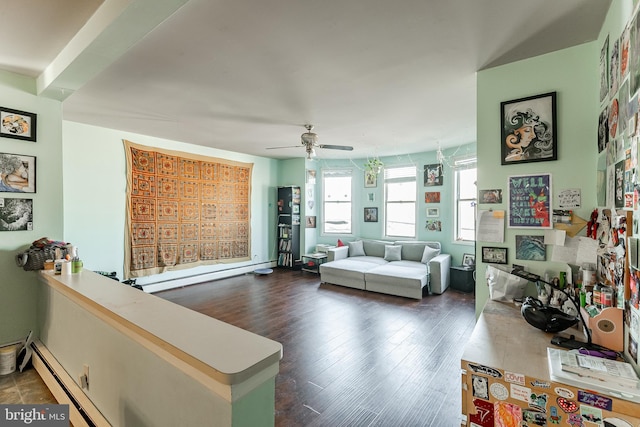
(483, 416)
(507, 414)
(480, 387)
(499, 391)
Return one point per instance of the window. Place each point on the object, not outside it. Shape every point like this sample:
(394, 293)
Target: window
(400, 201)
(336, 202)
(466, 193)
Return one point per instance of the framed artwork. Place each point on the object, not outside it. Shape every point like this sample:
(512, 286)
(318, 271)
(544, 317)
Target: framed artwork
(311, 222)
(370, 179)
(433, 212)
(432, 197)
(492, 255)
(619, 184)
(16, 214)
(468, 260)
(370, 214)
(433, 174)
(531, 248)
(371, 197)
(530, 201)
(17, 124)
(529, 131)
(311, 176)
(490, 196)
(433, 225)
(17, 173)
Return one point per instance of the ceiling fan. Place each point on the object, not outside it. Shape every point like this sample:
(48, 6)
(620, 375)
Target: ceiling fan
(309, 141)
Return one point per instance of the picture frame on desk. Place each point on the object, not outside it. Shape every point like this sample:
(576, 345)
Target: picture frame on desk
(468, 260)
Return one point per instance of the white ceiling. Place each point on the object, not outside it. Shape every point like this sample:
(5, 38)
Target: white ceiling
(386, 77)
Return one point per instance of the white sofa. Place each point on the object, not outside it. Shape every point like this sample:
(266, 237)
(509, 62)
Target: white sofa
(400, 268)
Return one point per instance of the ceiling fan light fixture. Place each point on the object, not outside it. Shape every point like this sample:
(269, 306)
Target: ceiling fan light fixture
(311, 152)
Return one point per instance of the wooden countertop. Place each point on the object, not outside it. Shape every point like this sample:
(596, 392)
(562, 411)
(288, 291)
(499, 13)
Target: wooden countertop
(196, 343)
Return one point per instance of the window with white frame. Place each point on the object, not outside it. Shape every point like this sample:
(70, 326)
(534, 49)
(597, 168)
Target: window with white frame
(400, 201)
(466, 199)
(337, 217)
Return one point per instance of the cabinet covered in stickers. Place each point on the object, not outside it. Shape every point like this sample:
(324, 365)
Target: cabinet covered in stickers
(506, 383)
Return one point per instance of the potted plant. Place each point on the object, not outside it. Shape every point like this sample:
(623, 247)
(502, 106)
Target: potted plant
(374, 166)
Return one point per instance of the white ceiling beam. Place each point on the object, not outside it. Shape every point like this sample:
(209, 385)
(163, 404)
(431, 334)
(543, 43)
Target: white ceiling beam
(115, 27)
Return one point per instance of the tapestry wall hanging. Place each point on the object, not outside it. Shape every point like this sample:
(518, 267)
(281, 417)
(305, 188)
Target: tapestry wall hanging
(184, 210)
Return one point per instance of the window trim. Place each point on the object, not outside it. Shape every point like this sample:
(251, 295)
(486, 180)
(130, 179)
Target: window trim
(385, 216)
(460, 164)
(337, 172)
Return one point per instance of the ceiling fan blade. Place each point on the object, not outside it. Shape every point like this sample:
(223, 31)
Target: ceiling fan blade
(337, 147)
(288, 146)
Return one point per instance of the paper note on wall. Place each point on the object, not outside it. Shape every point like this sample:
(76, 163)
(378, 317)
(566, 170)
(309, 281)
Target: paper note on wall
(587, 251)
(554, 237)
(490, 226)
(568, 252)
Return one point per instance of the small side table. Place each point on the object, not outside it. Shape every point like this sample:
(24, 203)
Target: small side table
(312, 262)
(462, 278)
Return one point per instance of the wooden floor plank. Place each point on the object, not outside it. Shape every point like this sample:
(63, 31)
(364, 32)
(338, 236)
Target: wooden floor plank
(351, 357)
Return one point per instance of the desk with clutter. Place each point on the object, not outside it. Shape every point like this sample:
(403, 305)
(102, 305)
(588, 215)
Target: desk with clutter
(515, 367)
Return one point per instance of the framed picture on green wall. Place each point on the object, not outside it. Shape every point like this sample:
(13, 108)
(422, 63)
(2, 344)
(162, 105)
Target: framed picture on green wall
(529, 129)
(530, 201)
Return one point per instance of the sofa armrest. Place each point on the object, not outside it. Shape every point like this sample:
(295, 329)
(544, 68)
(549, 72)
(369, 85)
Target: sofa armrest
(334, 254)
(439, 273)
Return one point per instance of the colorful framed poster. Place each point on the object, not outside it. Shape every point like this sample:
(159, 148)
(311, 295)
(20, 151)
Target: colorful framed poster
(17, 124)
(530, 201)
(529, 129)
(432, 197)
(17, 173)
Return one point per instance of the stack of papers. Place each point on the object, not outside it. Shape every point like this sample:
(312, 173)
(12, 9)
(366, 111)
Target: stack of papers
(614, 378)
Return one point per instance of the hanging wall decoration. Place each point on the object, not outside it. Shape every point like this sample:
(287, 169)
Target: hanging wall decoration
(433, 174)
(530, 201)
(17, 173)
(17, 124)
(529, 129)
(184, 210)
(16, 214)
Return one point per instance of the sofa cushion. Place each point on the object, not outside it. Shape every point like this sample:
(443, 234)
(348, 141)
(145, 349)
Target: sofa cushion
(375, 247)
(399, 273)
(392, 252)
(356, 248)
(428, 254)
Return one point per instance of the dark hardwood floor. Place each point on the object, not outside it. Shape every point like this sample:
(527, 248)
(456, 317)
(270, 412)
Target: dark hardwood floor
(351, 357)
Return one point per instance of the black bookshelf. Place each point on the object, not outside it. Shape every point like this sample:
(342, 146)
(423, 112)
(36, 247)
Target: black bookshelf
(288, 226)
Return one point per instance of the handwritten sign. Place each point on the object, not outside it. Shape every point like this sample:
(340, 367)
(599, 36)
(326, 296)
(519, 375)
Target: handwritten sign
(569, 198)
(530, 201)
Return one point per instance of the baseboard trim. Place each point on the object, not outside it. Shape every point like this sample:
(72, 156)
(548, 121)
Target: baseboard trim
(82, 412)
(205, 277)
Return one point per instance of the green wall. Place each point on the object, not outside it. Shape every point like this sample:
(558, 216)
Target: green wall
(573, 74)
(18, 288)
(360, 196)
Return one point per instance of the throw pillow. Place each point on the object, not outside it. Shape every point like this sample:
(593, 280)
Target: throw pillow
(429, 253)
(340, 243)
(356, 248)
(392, 252)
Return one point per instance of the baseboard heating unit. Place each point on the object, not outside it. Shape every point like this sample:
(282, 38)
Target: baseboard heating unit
(82, 412)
